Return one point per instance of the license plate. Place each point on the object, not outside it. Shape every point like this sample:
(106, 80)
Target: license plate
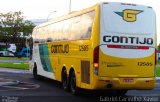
(128, 80)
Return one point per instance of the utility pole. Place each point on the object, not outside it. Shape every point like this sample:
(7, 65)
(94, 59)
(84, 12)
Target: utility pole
(69, 6)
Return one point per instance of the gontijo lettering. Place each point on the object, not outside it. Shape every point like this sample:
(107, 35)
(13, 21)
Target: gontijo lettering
(60, 48)
(127, 40)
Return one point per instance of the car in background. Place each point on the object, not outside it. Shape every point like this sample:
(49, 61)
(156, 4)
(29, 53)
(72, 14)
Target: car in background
(24, 52)
(3, 53)
(11, 48)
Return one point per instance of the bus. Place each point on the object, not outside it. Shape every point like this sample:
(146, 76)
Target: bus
(109, 46)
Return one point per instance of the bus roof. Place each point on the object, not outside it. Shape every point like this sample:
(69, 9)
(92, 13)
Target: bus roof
(67, 16)
(76, 13)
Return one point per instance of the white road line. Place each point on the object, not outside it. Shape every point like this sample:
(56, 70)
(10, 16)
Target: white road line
(16, 87)
(15, 71)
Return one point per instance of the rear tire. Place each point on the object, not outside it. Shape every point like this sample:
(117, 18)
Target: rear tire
(35, 75)
(73, 86)
(65, 81)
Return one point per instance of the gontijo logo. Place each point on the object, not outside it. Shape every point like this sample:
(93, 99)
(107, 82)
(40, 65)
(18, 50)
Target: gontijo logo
(129, 15)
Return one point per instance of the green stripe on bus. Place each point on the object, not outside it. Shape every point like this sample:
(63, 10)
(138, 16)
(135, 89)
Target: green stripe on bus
(44, 56)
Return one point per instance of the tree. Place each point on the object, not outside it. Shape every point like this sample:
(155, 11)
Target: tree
(13, 23)
(13, 28)
(27, 27)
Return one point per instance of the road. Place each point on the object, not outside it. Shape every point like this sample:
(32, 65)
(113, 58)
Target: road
(45, 90)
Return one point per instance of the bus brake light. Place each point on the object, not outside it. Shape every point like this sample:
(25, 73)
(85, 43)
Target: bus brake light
(96, 59)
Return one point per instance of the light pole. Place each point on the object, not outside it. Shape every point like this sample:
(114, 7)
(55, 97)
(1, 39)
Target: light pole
(50, 15)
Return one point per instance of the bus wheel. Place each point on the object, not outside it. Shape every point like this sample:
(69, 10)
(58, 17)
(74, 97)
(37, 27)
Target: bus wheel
(74, 89)
(65, 82)
(35, 75)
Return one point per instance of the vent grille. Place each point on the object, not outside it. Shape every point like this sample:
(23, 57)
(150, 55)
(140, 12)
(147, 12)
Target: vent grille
(85, 70)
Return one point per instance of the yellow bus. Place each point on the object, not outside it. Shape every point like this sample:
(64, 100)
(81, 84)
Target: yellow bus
(107, 46)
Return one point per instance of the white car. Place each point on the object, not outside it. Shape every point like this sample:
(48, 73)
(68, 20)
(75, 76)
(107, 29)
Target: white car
(11, 49)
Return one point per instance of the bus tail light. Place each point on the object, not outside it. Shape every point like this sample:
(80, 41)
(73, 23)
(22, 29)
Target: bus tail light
(96, 60)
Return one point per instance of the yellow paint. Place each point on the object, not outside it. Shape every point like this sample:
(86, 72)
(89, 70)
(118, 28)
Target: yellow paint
(130, 15)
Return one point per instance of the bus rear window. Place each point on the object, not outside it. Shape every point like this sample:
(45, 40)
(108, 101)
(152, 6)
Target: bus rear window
(126, 19)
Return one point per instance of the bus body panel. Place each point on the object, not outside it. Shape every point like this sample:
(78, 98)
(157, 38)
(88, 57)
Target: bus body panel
(38, 58)
(71, 52)
(125, 83)
(67, 54)
(127, 45)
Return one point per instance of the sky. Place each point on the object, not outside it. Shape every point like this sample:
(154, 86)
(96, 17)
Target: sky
(47, 9)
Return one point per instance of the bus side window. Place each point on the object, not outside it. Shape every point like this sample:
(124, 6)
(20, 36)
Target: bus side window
(75, 28)
(66, 29)
(87, 20)
(89, 32)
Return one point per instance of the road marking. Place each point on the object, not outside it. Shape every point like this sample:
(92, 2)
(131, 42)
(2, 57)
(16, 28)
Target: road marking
(16, 87)
(14, 71)
(20, 86)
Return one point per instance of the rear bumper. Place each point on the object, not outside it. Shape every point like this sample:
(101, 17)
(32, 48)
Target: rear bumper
(125, 83)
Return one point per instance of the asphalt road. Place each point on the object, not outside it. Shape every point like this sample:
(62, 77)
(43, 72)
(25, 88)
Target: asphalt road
(45, 90)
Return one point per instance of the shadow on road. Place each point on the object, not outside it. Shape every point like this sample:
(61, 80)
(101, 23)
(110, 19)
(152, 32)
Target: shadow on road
(84, 95)
(52, 91)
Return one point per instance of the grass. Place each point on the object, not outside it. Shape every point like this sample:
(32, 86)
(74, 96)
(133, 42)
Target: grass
(158, 72)
(158, 69)
(24, 66)
(11, 64)
(158, 62)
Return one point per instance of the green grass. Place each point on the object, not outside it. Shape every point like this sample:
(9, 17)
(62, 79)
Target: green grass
(158, 72)
(24, 66)
(158, 69)
(10, 64)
